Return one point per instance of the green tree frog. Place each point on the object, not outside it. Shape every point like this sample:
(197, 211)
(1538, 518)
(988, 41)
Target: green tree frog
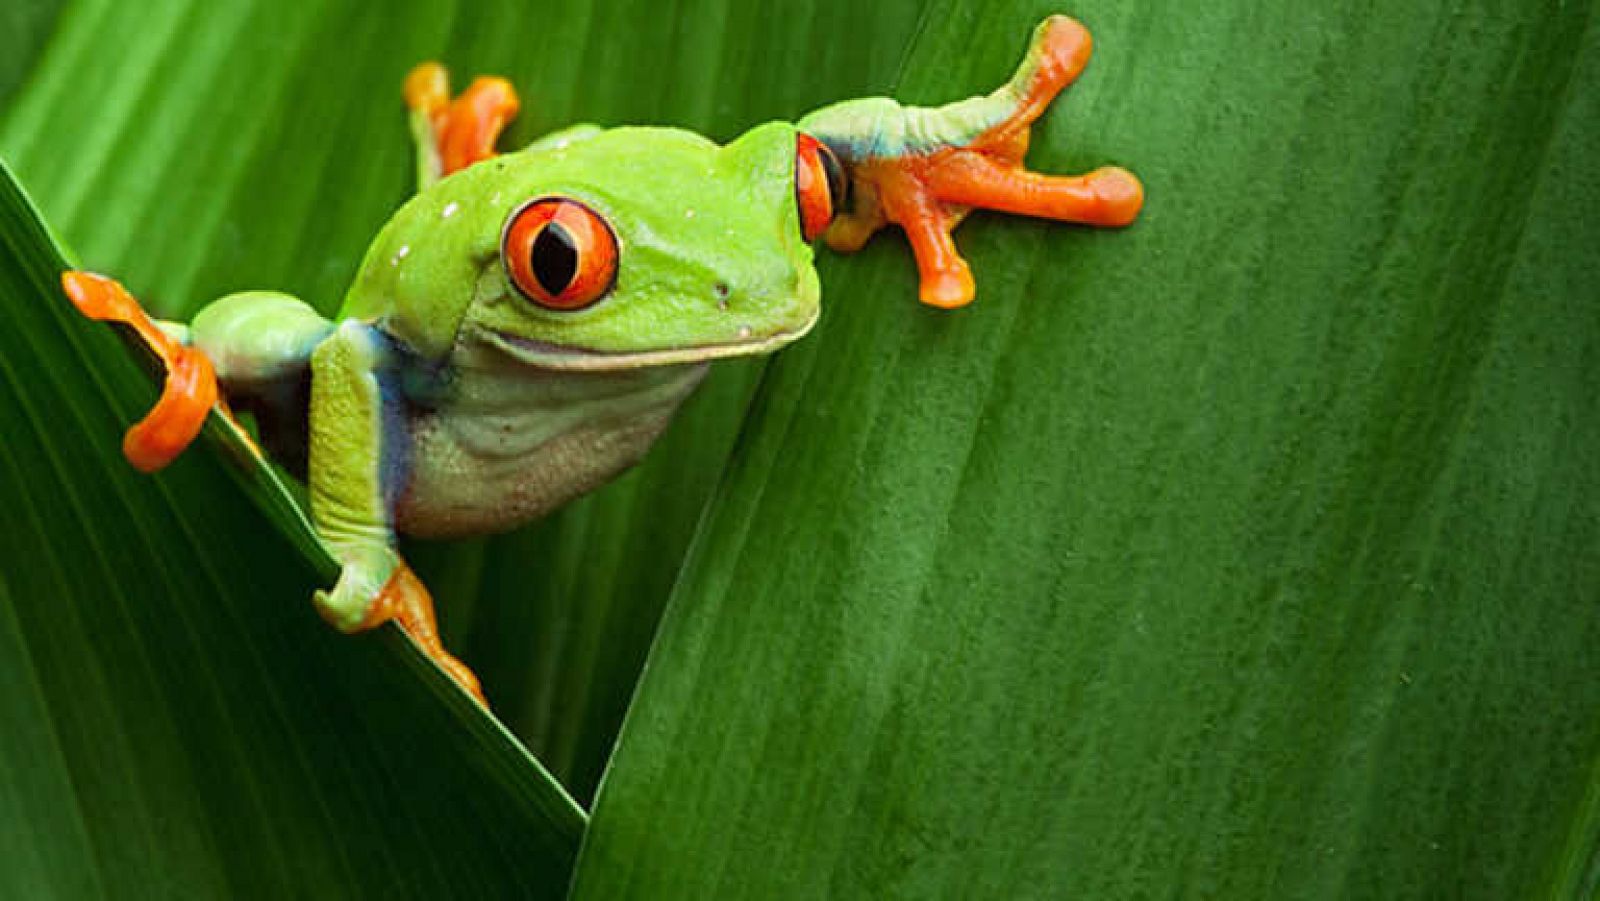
(525, 326)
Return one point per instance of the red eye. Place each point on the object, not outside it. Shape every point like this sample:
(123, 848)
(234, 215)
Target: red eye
(819, 185)
(560, 254)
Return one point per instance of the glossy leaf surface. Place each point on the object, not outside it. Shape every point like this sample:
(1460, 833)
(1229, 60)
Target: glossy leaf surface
(179, 722)
(1250, 553)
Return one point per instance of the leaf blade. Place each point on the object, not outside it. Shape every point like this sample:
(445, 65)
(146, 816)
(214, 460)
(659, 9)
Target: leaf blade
(190, 714)
(1199, 561)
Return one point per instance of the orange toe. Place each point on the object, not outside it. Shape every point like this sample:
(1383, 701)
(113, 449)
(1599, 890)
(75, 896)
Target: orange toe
(191, 384)
(176, 419)
(473, 122)
(406, 601)
(464, 129)
(427, 88)
(1120, 193)
(1064, 47)
(948, 289)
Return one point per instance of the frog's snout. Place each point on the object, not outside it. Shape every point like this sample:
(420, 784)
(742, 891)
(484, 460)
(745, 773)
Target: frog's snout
(774, 306)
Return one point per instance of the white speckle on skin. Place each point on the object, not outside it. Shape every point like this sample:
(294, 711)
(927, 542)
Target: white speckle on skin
(495, 199)
(744, 331)
(449, 210)
(400, 254)
(688, 214)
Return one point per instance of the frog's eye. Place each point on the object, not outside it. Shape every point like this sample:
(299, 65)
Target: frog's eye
(560, 254)
(819, 185)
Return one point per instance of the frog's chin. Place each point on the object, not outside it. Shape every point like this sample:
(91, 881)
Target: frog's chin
(545, 355)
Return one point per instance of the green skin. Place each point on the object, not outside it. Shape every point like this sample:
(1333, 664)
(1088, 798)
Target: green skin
(444, 403)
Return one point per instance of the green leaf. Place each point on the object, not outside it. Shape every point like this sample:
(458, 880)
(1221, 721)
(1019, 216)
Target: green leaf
(187, 175)
(565, 611)
(179, 721)
(1249, 553)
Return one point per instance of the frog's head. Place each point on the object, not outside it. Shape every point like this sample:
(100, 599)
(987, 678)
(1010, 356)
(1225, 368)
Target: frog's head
(632, 247)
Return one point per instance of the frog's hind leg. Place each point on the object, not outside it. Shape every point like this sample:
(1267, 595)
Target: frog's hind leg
(452, 134)
(255, 337)
(261, 344)
(246, 343)
(191, 384)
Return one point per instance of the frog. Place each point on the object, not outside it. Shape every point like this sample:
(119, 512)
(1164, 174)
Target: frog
(525, 326)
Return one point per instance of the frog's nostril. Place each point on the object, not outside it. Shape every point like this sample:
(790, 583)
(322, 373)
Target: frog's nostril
(721, 290)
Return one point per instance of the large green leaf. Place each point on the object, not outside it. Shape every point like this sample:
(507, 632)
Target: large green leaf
(245, 145)
(176, 724)
(179, 721)
(1250, 553)
(188, 172)
(566, 610)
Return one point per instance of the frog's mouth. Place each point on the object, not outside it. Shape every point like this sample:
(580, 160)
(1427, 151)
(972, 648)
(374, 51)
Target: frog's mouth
(545, 355)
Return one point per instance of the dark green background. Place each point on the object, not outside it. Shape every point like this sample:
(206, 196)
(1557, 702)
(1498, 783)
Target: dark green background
(1251, 552)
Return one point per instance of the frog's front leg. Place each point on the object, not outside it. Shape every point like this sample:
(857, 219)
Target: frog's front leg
(356, 470)
(924, 169)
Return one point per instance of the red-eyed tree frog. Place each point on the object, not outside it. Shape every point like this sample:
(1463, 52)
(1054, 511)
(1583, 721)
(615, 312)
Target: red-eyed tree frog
(524, 327)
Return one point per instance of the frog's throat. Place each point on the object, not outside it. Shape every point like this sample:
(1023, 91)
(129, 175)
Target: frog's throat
(578, 359)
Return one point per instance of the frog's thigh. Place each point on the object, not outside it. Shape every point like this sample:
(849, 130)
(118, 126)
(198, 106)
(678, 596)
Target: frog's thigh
(258, 335)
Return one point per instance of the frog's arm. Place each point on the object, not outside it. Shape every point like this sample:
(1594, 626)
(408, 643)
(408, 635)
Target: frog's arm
(355, 472)
(259, 336)
(924, 168)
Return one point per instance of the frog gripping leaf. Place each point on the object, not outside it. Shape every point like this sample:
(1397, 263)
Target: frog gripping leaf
(524, 328)
(924, 169)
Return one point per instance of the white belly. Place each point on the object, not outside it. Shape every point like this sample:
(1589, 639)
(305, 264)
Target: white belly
(512, 444)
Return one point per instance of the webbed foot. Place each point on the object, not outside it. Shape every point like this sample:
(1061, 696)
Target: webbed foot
(365, 599)
(190, 391)
(925, 169)
(453, 134)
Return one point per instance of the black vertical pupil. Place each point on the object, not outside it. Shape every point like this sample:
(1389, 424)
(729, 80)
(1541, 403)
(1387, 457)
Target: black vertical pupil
(838, 185)
(554, 258)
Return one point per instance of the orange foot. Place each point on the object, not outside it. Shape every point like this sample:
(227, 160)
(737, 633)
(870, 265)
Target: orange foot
(406, 601)
(191, 385)
(464, 129)
(927, 195)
